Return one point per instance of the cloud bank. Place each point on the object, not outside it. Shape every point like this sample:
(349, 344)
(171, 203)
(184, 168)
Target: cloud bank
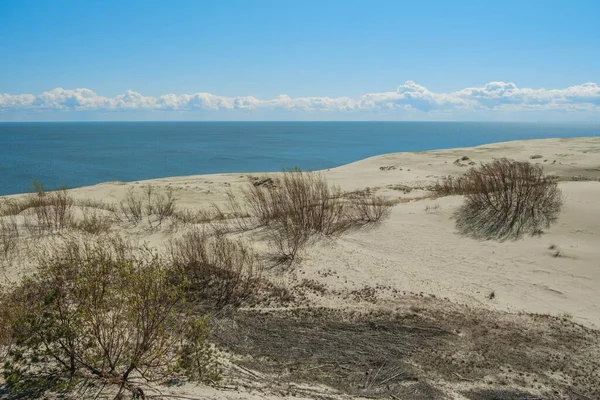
(408, 98)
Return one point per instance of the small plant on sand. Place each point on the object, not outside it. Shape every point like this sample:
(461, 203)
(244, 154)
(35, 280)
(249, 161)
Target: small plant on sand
(451, 186)
(506, 199)
(45, 212)
(432, 208)
(220, 271)
(82, 323)
(369, 209)
(9, 236)
(94, 222)
(287, 238)
(132, 207)
(300, 204)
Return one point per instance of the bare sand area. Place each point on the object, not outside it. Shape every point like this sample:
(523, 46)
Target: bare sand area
(424, 310)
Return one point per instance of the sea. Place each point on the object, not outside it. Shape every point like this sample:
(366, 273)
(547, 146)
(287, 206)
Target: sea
(75, 154)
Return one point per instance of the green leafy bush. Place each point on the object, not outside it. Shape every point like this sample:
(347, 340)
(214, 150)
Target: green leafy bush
(92, 318)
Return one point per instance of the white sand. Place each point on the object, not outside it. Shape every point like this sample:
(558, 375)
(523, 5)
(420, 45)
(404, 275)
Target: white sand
(418, 249)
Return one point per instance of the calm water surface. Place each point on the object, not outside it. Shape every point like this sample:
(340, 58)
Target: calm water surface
(79, 154)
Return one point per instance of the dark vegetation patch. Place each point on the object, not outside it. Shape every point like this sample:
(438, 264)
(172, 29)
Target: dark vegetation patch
(494, 394)
(384, 354)
(356, 354)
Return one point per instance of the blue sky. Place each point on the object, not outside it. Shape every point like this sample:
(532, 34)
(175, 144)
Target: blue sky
(424, 60)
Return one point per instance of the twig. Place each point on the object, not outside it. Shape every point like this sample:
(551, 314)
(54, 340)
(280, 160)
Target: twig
(580, 394)
(390, 378)
(462, 377)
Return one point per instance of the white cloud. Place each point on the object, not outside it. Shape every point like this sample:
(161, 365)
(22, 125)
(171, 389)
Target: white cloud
(408, 98)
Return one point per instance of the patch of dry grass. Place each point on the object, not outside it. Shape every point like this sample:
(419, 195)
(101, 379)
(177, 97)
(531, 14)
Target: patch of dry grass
(221, 271)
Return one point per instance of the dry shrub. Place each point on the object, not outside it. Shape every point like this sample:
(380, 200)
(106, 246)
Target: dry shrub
(164, 205)
(9, 236)
(287, 238)
(220, 270)
(299, 204)
(219, 221)
(451, 186)
(95, 203)
(304, 197)
(370, 209)
(85, 322)
(239, 213)
(47, 211)
(156, 206)
(508, 198)
(131, 207)
(94, 222)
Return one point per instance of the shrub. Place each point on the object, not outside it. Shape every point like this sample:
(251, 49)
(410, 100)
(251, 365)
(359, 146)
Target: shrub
(132, 207)
(451, 186)
(306, 198)
(506, 199)
(9, 235)
(287, 238)
(97, 320)
(163, 205)
(94, 222)
(370, 209)
(298, 204)
(44, 211)
(221, 270)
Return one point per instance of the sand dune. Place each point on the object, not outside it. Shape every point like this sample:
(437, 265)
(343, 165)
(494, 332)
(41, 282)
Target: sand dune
(417, 250)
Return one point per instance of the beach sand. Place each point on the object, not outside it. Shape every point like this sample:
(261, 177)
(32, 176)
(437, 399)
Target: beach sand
(417, 250)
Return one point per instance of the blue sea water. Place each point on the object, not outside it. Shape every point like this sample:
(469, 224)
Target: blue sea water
(80, 154)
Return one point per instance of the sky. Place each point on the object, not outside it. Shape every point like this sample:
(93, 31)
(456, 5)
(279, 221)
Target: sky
(525, 60)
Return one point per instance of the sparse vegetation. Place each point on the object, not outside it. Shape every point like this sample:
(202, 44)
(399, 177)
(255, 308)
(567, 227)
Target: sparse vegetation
(94, 222)
(506, 199)
(9, 233)
(221, 271)
(432, 208)
(369, 209)
(299, 204)
(451, 186)
(306, 198)
(132, 207)
(93, 319)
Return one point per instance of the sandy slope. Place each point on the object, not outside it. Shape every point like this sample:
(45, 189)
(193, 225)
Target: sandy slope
(417, 250)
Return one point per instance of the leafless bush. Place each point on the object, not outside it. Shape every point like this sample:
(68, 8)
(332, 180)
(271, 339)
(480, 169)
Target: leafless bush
(47, 211)
(160, 205)
(370, 209)
(222, 271)
(287, 238)
(451, 186)
(94, 222)
(299, 204)
(95, 321)
(132, 207)
(507, 199)
(164, 205)
(219, 221)
(304, 197)
(9, 236)
(239, 213)
(154, 205)
(95, 203)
